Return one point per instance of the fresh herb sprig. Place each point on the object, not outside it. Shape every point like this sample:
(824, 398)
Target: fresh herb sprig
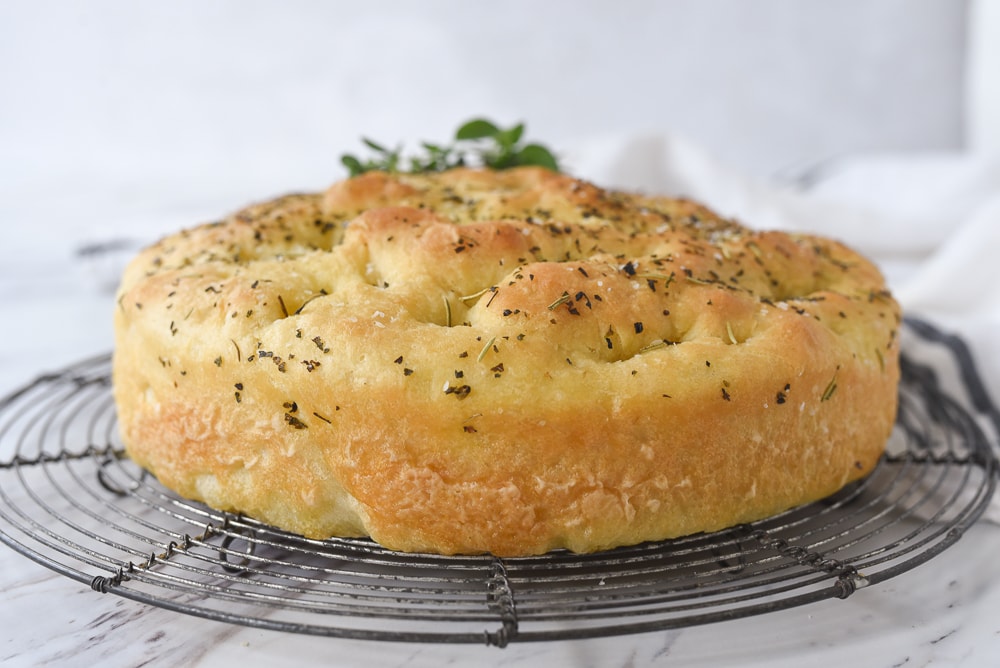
(478, 142)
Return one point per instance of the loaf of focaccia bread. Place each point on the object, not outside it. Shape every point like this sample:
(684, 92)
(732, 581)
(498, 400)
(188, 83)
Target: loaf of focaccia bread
(507, 362)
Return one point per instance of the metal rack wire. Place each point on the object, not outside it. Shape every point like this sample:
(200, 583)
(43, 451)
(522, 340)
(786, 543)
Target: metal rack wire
(70, 500)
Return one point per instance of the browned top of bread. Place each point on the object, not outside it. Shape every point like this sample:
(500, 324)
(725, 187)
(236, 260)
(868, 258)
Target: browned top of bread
(507, 361)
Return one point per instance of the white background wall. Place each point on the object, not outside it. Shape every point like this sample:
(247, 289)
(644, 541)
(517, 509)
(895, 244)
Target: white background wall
(982, 108)
(120, 116)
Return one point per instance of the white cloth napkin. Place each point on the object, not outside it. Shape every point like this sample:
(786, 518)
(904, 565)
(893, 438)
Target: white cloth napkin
(930, 221)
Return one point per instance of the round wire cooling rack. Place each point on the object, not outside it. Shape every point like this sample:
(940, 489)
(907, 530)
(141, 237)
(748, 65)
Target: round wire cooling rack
(71, 500)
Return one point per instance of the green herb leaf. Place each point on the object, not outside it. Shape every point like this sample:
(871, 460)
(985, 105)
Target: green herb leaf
(478, 142)
(477, 129)
(374, 145)
(353, 165)
(537, 155)
(509, 138)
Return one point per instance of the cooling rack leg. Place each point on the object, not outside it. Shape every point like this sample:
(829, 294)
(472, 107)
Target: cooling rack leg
(500, 599)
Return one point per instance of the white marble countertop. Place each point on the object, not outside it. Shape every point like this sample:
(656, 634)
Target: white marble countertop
(943, 613)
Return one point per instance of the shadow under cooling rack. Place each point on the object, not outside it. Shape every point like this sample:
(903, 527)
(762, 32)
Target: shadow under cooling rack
(71, 501)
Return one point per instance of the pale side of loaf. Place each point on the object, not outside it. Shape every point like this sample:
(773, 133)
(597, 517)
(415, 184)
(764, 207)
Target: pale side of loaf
(506, 362)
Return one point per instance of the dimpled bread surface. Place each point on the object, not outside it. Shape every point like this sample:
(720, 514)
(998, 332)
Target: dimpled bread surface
(504, 362)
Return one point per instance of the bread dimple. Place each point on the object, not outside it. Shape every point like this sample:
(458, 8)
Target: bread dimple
(506, 362)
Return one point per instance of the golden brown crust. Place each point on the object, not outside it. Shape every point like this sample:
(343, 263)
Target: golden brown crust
(506, 362)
